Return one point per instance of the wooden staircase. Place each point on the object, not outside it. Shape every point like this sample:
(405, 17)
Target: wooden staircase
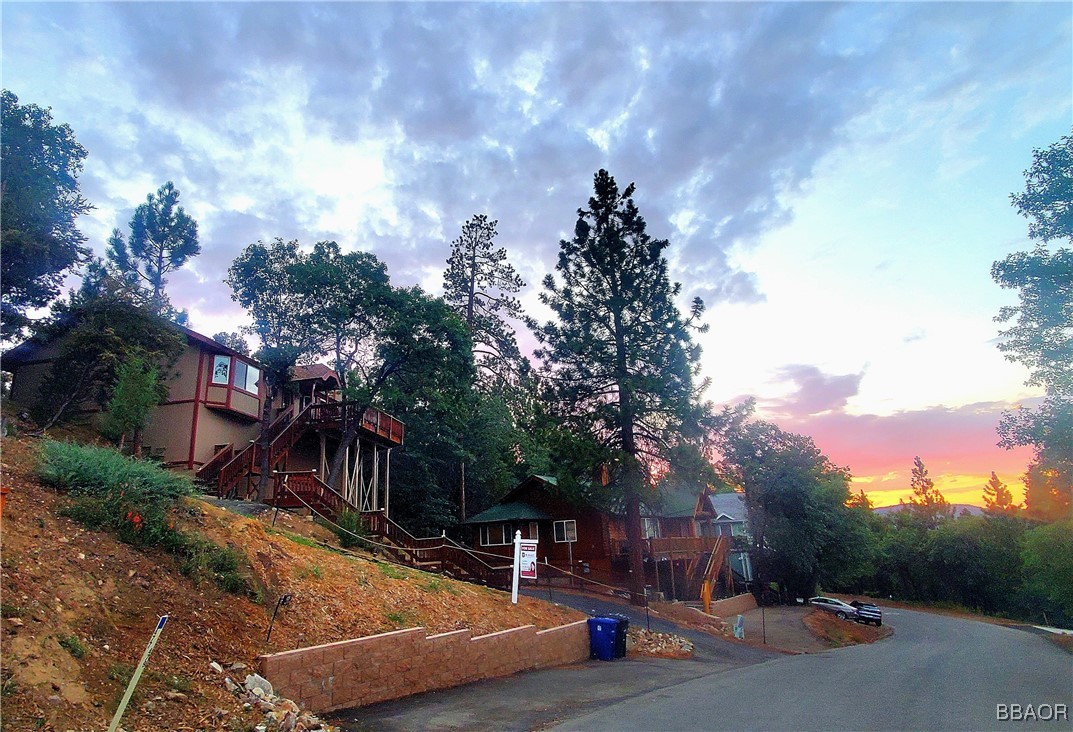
(436, 554)
(231, 470)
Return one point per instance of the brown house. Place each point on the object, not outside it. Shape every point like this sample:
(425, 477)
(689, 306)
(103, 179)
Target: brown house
(213, 399)
(590, 543)
(210, 421)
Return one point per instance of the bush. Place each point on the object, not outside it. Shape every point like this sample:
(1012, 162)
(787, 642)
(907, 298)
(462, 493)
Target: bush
(138, 502)
(351, 530)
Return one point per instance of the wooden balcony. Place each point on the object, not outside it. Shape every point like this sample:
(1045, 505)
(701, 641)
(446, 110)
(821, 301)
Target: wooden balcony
(666, 546)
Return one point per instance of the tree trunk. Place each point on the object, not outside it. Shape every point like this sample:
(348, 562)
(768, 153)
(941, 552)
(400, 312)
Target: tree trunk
(635, 539)
(350, 431)
(263, 441)
(136, 443)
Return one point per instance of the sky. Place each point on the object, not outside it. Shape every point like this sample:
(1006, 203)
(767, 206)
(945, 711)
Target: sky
(834, 179)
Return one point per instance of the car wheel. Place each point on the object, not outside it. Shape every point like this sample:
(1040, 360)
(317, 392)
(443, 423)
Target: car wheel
(879, 623)
(840, 615)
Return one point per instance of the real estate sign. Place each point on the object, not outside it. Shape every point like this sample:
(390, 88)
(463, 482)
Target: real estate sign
(529, 560)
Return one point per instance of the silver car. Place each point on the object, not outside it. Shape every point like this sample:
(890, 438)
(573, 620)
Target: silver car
(841, 610)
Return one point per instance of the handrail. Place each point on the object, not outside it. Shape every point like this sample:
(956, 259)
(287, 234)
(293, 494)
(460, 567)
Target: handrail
(216, 462)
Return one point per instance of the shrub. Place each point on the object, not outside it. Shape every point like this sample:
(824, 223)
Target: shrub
(351, 530)
(138, 502)
(73, 646)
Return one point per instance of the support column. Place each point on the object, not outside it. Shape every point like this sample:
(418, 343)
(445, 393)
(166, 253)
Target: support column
(387, 484)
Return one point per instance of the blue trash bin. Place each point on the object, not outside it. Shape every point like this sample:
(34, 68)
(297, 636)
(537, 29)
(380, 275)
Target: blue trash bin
(602, 638)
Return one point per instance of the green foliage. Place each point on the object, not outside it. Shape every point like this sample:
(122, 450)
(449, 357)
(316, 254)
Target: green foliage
(1048, 566)
(39, 167)
(1040, 336)
(73, 646)
(347, 295)
(235, 341)
(802, 529)
(400, 618)
(927, 503)
(479, 284)
(391, 570)
(351, 530)
(163, 237)
(138, 389)
(139, 502)
(100, 331)
(619, 360)
(998, 500)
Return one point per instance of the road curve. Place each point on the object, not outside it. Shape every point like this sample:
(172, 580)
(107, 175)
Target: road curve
(935, 673)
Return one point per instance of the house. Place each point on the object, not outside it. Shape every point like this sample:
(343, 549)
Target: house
(211, 419)
(214, 398)
(591, 543)
(726, 516)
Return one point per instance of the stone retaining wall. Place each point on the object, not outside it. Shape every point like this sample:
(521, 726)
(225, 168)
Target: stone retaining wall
(377, 668)
(732, 606)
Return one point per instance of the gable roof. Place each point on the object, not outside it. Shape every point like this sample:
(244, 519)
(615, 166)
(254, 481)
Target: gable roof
(315, 371)
(728, 506)
(512, 511)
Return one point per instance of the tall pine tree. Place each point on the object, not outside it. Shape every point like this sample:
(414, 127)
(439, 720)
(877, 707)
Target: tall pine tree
(479, 284)
(619, 361)
(163, 237)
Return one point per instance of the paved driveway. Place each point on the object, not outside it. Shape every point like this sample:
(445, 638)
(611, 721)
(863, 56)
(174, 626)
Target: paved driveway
(537, 699)
(934, 673)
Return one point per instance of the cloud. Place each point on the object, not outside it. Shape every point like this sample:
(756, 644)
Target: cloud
(952, 441)
(816, 393)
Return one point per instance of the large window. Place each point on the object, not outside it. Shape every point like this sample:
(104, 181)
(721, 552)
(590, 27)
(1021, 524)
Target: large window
(495, 534)
(246, 376)
(500, 534)
(565, 531)
(221, 369)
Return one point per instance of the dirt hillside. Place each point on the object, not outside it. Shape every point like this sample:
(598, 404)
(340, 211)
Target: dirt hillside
(78, 608)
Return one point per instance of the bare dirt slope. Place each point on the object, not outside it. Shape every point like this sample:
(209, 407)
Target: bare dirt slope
(79, 607)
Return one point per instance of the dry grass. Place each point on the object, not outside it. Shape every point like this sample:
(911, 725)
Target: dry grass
(838, 633)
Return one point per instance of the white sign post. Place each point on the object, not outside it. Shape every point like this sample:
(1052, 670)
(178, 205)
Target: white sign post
(517, 564)
(137, 674)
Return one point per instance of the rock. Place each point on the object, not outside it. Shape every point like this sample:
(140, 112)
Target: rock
(231, 685)
(237, 666)
(16, 622)
(256, 681)
(174, 695)
(148, 706)
(216, 667)
(55, 698)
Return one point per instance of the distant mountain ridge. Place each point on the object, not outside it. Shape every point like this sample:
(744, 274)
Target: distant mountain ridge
(959, 508)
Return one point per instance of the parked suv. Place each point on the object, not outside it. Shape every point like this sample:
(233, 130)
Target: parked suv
(868, 612)
(841, 610)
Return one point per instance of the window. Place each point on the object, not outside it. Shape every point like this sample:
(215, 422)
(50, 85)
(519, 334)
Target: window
(495, 534)
(650, 528)
(246, 376)
(533, 532)
(221, 369)
(565, 531)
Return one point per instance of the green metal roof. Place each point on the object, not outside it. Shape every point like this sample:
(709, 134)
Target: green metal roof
(516, 511)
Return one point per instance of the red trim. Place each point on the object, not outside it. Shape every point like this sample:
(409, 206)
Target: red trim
(197, 408)
(177, 401)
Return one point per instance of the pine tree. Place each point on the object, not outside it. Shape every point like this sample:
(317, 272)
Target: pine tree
(927, 503)
(138, 389)
(998, 500)
(479, 284)
(162, 239)
(619, 361)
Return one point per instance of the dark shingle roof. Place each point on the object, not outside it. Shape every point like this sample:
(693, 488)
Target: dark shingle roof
(728, 504)
(515, 511)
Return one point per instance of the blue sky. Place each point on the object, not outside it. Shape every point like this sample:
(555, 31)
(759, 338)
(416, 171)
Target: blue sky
(834, 179)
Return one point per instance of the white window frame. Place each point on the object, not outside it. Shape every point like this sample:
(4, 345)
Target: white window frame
(565, 529)
(650, 528)
(487, 534)
(221, 370)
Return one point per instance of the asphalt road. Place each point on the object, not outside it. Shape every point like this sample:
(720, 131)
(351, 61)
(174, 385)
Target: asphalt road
(934, 673)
